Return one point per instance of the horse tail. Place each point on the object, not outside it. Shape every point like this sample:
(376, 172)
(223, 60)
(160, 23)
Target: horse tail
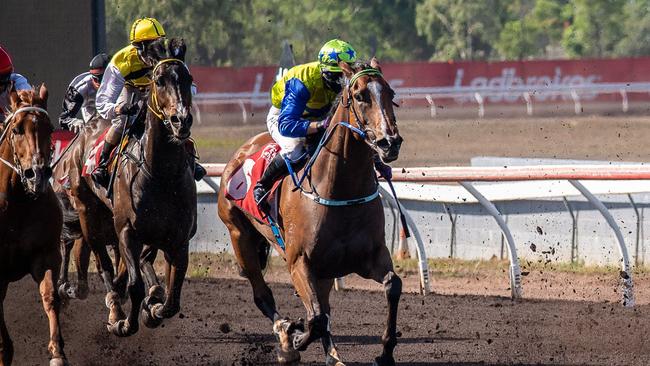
(71, 224)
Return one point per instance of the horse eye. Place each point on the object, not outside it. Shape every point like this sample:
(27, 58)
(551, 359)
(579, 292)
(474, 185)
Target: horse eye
(359, 97)
(17, 130)
(160, 82)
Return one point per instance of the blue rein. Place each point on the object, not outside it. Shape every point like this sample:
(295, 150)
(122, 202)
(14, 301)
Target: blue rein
(313, 195)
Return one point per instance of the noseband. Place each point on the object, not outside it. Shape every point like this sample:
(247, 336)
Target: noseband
(16, 167)
(155, 108)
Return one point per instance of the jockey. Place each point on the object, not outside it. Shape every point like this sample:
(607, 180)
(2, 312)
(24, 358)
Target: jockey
(7, 78)
(301, 100)
(81, 95)
(127, 75)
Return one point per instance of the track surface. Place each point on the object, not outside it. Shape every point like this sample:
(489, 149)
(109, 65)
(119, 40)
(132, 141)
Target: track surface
(220, 325)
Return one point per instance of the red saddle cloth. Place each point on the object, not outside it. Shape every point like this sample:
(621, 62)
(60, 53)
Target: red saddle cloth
(240, 186)
(92, 160)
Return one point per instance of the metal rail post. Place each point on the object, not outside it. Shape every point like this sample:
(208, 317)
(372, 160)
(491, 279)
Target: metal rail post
(574, 230)
(423, 264)
(577, 105)
(529, 103)
(515, 271)
(626, 272)
(452, 236)
(637, 244)
(481, 104)
(624, 104)
(432, 105)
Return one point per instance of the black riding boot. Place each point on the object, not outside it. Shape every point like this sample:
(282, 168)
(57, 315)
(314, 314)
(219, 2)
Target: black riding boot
(276, 169)
(100, 174)
(199, 171)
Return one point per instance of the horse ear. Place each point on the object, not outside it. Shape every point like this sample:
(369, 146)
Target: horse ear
(177, 48)
(42, 94)
(347, 70)
(375, 64)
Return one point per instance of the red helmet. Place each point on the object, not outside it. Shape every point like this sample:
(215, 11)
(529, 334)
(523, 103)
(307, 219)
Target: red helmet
(6, 67)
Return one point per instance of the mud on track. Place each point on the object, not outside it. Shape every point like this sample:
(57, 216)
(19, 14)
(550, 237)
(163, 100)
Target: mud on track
(220, 325)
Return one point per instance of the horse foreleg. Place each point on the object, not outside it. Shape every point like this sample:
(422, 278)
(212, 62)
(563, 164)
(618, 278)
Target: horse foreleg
(81, 253)
(130, 251)
(384, 273)
(45, 278)
(323, 289)
(317, 318)
(6, 345)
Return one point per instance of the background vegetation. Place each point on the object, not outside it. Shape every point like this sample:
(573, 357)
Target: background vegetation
(249, 32)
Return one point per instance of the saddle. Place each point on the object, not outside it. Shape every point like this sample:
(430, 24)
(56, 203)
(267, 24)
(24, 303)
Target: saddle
(239, 188)
(94, 156)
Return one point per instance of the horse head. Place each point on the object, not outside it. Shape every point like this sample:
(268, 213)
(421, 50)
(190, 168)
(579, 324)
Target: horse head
(171, 90)
(370, 98)
(28, 130)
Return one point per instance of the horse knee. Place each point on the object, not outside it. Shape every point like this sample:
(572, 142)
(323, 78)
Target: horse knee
(392, 286)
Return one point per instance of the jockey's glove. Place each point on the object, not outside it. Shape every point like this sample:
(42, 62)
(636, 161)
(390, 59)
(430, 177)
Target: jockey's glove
(322, 125)
(384, 170)
(128, 109)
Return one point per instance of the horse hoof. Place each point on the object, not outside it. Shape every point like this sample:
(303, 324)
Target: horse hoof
(288, 357)
(333, 361)
(148, 319)
(384, 361)
(59, 362)
(121, 328)
(112, 298)
(64, 291)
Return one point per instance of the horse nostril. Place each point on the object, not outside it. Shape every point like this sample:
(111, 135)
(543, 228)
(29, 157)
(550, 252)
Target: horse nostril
(29, 173)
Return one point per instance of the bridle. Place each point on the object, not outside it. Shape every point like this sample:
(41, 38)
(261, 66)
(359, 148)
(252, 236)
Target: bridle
(16, 166)
(360, 129)
(155, 108)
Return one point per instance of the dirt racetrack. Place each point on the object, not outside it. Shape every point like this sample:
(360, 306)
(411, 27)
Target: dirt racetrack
(220, 325)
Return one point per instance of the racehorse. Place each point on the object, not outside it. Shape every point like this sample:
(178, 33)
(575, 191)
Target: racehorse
(30, 215)
(335, 226)
(154, 195)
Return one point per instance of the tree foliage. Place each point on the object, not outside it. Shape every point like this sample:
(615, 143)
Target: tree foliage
(249, 32)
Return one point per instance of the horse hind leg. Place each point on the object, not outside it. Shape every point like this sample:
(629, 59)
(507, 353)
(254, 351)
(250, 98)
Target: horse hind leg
(6, 345)
(384, 273)
(63, 284)
(177, 263)
(81, 254)
(246, 243)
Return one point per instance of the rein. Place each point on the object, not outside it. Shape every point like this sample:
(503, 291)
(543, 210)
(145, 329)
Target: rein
(16, 165)
(324, 140)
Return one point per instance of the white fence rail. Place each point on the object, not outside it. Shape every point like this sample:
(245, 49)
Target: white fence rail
(464, 175)
(524, 93)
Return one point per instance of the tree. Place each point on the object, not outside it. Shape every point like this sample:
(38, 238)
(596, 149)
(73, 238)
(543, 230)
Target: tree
(458, 29)
(636, 41)
(596, 26)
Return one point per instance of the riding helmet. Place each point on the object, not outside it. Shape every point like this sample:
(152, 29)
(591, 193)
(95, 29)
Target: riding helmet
(98, 64)
(334, 51)
(146, 29)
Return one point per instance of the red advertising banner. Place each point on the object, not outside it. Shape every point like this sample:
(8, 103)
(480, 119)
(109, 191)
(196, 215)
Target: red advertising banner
(499, 75)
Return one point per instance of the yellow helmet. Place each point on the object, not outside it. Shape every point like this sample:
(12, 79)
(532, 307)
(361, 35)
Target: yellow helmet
(146, 29)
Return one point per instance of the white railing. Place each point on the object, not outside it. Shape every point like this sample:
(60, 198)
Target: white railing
(464, 175)
(525, 93)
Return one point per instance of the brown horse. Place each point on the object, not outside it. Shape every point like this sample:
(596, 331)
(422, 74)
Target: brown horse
(30, 215)
(154, 200)
(336, 237)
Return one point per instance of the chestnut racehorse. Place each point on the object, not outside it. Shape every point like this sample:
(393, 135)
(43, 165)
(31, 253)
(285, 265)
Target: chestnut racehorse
(30, 215)
(333, 226)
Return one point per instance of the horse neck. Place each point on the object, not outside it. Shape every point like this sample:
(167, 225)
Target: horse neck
(163, 157)
(9, 180)
(344, 169)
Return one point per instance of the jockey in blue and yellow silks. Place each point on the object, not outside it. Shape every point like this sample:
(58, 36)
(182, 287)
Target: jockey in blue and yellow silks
(300, 102)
